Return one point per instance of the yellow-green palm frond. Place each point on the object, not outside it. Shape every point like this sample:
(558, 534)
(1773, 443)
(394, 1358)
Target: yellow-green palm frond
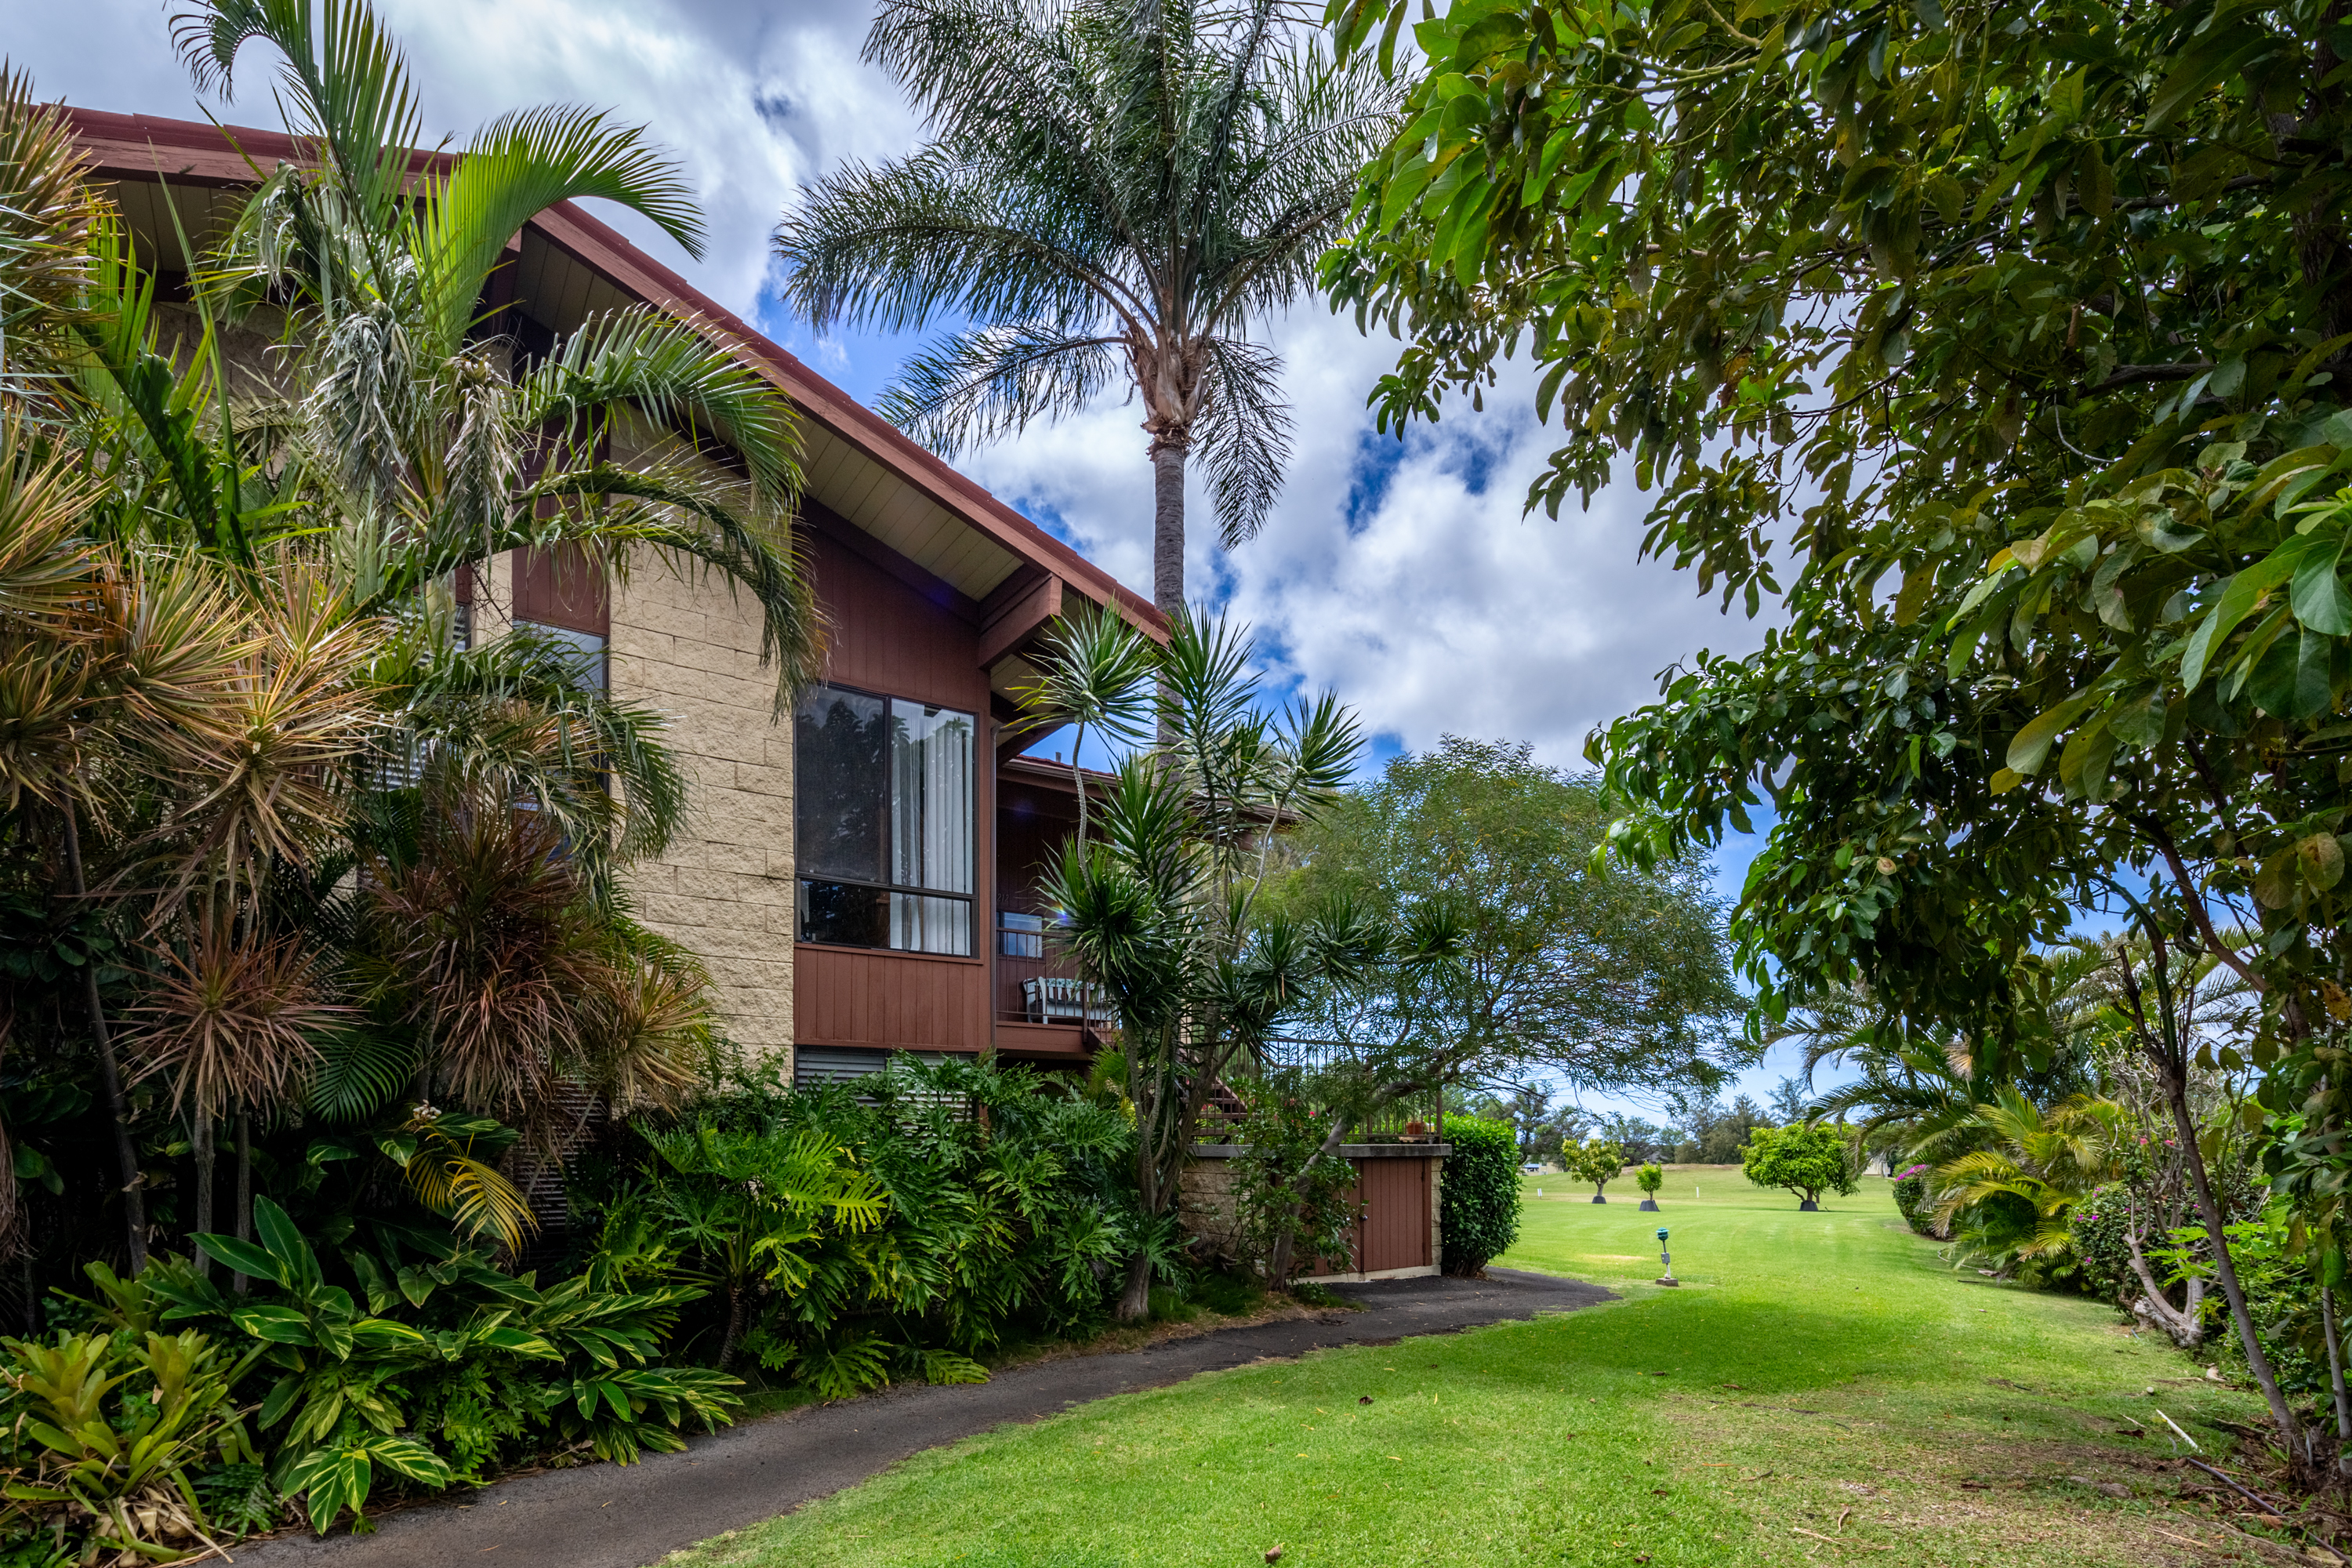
(438, 1153)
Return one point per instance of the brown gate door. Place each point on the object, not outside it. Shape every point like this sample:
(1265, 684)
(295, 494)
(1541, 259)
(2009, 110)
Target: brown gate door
(1395, 1227)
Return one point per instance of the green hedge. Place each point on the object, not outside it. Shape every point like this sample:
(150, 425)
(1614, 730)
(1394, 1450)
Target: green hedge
(1478, 1202)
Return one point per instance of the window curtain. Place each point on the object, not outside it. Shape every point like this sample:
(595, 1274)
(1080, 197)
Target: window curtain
(931, 813)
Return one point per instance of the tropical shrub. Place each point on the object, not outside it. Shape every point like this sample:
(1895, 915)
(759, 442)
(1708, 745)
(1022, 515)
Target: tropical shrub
(1807, 1158)
(433, 1365)
(1287, 1187)
(103, 1437)
(1478, 1194)
(899, 1230)
(2009, 1199)
(1912, 1201)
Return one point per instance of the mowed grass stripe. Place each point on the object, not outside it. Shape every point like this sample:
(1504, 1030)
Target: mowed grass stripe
(1832, 1392)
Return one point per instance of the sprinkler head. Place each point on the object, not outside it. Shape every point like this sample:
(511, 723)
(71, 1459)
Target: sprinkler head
(1662, 1233)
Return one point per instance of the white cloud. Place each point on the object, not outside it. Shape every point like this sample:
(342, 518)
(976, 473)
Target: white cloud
(1408, 577)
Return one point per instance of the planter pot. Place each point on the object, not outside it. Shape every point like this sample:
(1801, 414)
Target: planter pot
(1600, 1197)
(1809, 1206)
(1649, 1205)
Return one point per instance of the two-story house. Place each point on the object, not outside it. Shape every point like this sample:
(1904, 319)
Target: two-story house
(861, 876)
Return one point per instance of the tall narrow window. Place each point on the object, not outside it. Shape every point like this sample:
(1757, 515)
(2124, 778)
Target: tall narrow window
(884, 817)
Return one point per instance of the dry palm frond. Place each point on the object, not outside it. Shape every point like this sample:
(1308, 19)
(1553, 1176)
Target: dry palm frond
(233, 1021)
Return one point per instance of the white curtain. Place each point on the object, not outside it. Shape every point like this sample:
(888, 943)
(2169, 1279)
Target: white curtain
(932, 812)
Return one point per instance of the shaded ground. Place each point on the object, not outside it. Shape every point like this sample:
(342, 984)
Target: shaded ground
(611, 1515)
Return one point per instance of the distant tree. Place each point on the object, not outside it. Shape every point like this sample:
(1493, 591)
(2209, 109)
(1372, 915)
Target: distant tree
(1790, 1100)
(1807, 1159)
(1543, 1128)
(1601, 979)
(1650, 1178)
(1711, 1134)
(1641, 1139)
(1599, 1162)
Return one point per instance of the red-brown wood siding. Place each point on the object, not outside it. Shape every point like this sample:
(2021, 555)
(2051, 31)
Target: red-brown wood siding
(888, 1001)
(890, 636)
(563, 588)
(1394, 1216)
(887, 636)
(1394, 1230)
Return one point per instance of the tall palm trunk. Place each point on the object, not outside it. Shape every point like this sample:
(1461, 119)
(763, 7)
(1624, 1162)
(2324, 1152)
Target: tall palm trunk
(1167, 525)
(126, 1153)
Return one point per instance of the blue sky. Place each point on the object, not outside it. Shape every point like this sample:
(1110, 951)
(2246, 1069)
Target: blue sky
(1403, 573)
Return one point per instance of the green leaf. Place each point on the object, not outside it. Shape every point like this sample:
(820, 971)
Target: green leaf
(2033, 743)
(2317, 594)
(241, 1256)
(2239, 596)
(2210, 57)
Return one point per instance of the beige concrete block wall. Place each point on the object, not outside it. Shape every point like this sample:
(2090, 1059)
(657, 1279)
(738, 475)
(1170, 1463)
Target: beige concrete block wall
(688, 649)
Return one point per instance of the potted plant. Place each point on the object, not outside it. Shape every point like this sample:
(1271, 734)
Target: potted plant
(1416, 1130)
(1650, 1178)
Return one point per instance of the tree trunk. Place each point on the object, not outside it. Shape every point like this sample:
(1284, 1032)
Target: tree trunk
(1168, 527)
(2184, 1326)
(2336, 1377)
(200, 1134)
(126, 1153)
(244, 1189)
(2225, 1268)
(734, 1327)
(1135, 1295)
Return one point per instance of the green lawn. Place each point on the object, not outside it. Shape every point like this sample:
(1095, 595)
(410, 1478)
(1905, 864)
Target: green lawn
(1821, 1389)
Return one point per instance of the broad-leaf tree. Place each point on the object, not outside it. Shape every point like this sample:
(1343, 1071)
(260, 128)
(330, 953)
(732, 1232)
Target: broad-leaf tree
(2005, 348)
(1116, 192)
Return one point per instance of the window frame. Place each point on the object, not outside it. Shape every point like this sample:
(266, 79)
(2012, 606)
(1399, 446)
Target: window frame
(801, 877)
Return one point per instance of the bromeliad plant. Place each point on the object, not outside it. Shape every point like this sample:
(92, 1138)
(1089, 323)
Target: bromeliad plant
(105, 1434)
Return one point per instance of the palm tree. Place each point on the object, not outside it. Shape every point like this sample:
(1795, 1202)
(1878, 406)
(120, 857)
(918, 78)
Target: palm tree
(219, 653)
(1094, 672)
(1113, 188)
(408, 427)
(2034, 1167)
(1164, 910)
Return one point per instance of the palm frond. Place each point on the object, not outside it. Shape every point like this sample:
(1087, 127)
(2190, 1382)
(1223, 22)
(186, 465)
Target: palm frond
(1242, 435)
(668, 371)
(991, 382)
(358, 1072)
(517, 167)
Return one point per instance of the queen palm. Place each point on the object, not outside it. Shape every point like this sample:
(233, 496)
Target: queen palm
(1114, 188)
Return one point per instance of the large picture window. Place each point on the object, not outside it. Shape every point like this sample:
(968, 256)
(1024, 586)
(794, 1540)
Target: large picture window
(883, 815)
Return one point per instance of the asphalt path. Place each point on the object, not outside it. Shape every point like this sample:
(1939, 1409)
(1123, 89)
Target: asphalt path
(627, 1516)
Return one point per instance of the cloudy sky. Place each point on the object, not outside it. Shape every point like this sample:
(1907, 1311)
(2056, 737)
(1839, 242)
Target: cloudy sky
(1403, 575)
